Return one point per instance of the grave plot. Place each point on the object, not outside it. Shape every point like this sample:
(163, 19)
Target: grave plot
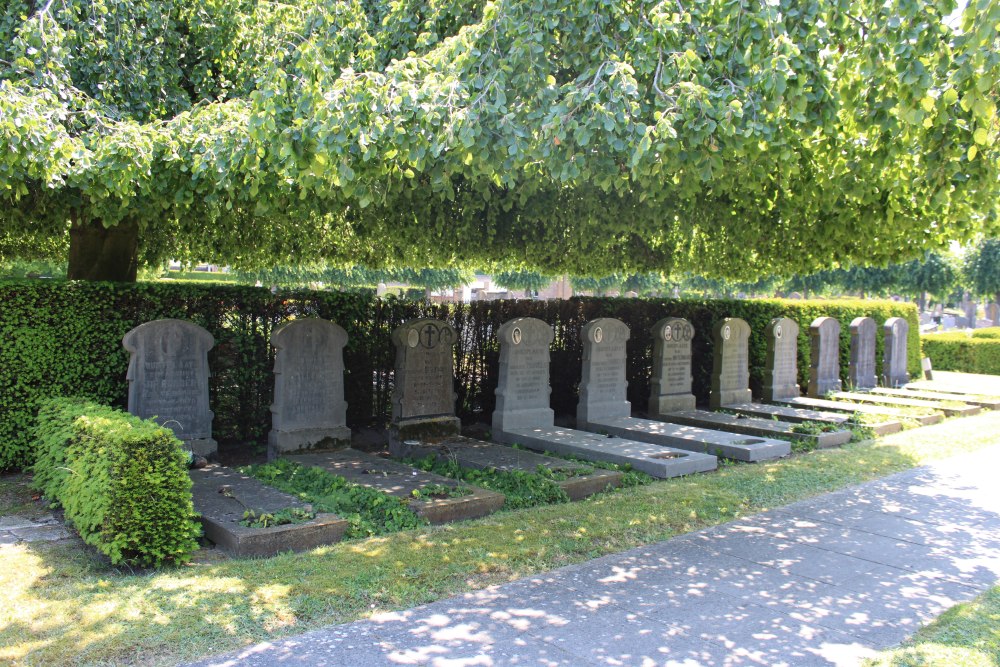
(924, 417)
(424, 421)
(987, 402)
(432, 497)
(577, 480)
(762, 427)
(799, 415)
(523, 415)
(954, 392)
(224, 496)
(951, 408)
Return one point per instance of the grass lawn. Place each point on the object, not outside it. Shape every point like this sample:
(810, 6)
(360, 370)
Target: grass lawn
(60, 604)
(967, 635)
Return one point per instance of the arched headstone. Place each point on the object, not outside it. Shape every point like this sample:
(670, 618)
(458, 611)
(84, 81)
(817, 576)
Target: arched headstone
(423, 399)
(168, 379)
(523, 383)
(824, 360)
(670, 388)
(781, 371)
(602, 384)
(894, 373)
(861, 370)
(309, 410)
(731, 363)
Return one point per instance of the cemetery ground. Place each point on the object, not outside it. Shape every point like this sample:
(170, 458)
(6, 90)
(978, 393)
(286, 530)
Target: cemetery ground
(64, 605)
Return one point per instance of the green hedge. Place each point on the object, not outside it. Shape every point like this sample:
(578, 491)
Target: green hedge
(64, 338)
(122, 481)
(958, 351)
(989, 332)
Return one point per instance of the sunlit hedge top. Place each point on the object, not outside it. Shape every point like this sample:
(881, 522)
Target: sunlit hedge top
(725, 137)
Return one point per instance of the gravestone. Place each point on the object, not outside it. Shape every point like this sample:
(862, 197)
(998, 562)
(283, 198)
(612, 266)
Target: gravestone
(781, 371)
(993, 314)
(824, 360)
(670, 388)
(894, 373)
(948, 322)
(523, 383)
(731, 363)
(602, 383)
(168, 379)
(970, 314)
(861, 370)
(423, 400)
(795, 295)
(309, 410)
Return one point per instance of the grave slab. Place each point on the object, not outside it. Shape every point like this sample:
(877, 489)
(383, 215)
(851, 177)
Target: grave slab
(691, 438)
(603, 406)
(658, 461)
(758, 427)
(221, 495)
(946, 388)
(987, 402)
(400, 480)
(865, 397)
(584, 480)
(523, 415)
(798, 415)
(863, 408)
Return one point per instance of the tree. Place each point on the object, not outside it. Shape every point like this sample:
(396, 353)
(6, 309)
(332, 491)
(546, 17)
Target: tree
(525, 281)
(934, 274)
(735, 139)
(982, 267)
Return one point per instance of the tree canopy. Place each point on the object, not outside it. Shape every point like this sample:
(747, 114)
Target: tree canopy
(726, 137)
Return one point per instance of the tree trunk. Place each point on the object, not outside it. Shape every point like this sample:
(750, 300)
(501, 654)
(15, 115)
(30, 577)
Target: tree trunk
(97, 252)
(922, 301)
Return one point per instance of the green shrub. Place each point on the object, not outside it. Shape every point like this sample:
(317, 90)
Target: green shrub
(988, 332)
(123, 481)
(959, 351)
(65, 337)
(520, 488)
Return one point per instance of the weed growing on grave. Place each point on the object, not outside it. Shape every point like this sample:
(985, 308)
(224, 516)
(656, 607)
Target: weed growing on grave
(630, 477)
(368, 511)
(290, 515)
(439, 491)
(520, 488)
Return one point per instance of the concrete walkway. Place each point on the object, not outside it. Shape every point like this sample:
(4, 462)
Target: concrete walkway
(820, 582)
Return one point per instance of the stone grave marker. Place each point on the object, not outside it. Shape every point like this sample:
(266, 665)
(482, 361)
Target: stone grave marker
(602, 384)
(523, 383)
(423, 400)
(731, 363)
(824, 360)
(993, 313)
(168, 379)
(894, 373)
(309, 410)
(670, 388)
(781, 371)
(861, 370)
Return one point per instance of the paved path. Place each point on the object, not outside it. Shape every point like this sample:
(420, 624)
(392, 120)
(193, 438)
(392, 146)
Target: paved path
(820, 582)
(15, 529)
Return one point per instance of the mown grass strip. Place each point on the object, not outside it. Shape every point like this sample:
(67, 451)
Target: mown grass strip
(60, 605)
(967, 635)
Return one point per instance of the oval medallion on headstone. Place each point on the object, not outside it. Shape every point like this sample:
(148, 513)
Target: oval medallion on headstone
(727, 332)
(668, 334)
(598, 335)
(777, 331)
(515, 335)
(412, 338)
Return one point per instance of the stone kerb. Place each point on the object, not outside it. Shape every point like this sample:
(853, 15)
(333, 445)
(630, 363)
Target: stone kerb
(670, 388)
(731, 363)
(824, 358)
(309, 410)
(523, 383)
(861, 370)
(423, 398)
(781, 370)
(168, 379)
(602, 385)
(894, 373)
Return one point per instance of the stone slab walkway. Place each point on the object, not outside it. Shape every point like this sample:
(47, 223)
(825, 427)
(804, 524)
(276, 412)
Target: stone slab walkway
(821, 582)
(15, 529)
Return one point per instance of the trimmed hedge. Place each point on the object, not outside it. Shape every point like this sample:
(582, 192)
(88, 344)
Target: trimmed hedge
(123, 481)
(958, 351)
(65, 338)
